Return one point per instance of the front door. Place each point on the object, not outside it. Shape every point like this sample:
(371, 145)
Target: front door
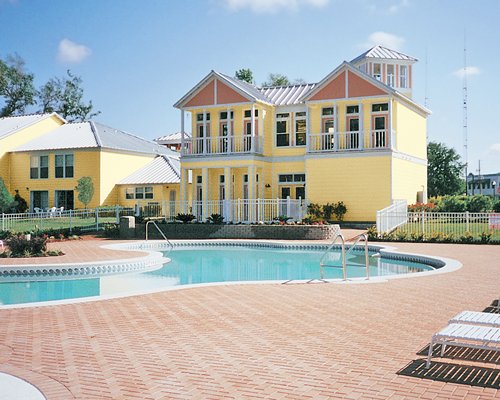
(379, 132)
(352, 138)
(64, 198)
(39, 199)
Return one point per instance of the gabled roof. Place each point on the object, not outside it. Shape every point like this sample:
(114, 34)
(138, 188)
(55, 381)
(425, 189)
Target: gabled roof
(347, 66)
(161, 170)
(287, 95)
(92, 135)
(247, 90)
(172, 138)
(10, 125)
(384, 53)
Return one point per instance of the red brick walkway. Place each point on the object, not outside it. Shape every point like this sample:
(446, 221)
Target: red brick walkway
(316, 341)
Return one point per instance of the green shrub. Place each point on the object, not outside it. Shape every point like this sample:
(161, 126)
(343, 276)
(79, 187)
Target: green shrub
(20, 203)
(216, 219)
(466, 238)
(496, 206)
(479, 203)
(417, 237)
(453, 204)
(21, 247)
(328, 211)
(340, 210)
(111, 230)
(185, 218)
(400, 236)
(372, 232)
(315, 210)
(485, 237)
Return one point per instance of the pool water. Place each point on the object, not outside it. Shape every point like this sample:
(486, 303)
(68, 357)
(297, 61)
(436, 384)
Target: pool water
(195, 265)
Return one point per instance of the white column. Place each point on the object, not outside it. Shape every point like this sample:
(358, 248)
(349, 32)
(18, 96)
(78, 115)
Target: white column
(361, 127)
(251, 192)
(229, 131)
(203, 141)
(205, 194)
(308, 129)
(183, 189)
(252, 138)
(335, 128)
(182, 132)
(228, 212)
(390, 135)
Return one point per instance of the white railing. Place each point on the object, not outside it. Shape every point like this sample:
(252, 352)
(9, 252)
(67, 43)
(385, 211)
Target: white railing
(350, 141)
(223, 145)
(89, 219)
(237, 210)
(393, 216)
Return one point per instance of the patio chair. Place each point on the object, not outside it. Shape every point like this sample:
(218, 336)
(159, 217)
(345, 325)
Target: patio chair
(465, 335)
(51, 211)
(59, 211)
(476, 318)
(37, 210)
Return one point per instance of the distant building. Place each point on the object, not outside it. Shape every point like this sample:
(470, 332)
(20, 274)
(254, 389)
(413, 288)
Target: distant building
(483, 184)
(172, 141)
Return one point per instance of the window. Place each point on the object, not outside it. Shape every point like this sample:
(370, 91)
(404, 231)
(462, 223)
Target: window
(390, 75)
(223, 115)
(380, 107)
(403, 76)
(300, 128)
(282, 132)
(144, 192)
(377, 71)
(291, 178)
(248, 113)
(129, 193)
(64, 166)
(199, 179)
(199, 117)
(352, 109)
(39, 167)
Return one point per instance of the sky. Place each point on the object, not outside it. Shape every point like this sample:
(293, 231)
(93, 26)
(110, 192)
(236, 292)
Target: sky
(138, 57)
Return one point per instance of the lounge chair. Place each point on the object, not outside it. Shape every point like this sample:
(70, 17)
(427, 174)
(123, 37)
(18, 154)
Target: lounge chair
(51, 211)
(465, 335)
(476, 318)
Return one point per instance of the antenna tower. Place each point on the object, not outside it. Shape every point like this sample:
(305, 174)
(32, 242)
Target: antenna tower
(465, 111)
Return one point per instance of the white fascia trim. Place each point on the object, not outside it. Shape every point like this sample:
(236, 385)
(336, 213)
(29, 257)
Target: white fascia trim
(353, 154)
(208, 107)
(408, 157)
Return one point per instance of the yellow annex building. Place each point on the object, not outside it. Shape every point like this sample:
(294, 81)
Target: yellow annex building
(356, 136)
(42, 157)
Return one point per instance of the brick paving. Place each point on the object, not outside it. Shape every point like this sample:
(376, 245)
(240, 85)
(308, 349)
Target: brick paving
(300, 341)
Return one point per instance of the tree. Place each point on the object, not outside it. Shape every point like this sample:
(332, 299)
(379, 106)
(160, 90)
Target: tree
(6, 199)
(16, 86)
(85, 189)
(65, 96)
(443, 170)
(244, 74)
(276, 80)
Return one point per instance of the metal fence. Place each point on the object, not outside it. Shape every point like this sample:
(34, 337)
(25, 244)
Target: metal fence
(393, 216)
(238, 210)
(446, 224)
(84, 220)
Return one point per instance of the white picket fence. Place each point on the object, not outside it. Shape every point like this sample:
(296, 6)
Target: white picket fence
(393, 216)
(238, 210)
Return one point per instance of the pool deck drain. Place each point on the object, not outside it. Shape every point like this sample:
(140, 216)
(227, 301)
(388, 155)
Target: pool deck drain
(255, 341)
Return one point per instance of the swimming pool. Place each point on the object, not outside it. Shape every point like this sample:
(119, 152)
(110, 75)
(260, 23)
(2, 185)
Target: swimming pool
(204, 264)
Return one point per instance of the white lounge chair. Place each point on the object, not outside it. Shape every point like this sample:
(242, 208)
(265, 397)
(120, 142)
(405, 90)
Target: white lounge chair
(476, 318)
(465, 335)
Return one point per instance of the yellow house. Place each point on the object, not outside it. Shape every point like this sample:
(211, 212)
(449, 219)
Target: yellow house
(45, 169)
(15, 131)
(356, 136)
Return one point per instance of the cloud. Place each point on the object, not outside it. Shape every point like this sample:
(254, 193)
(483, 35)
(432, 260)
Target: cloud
(385, 39)
(495, 148)
(469, 71)
(71, 52)
(272, 6)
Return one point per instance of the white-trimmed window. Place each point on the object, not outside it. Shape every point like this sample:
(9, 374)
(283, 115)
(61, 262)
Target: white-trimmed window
(39, 167)
(390, 75)
(403, 76)
(300, 128)
(129, 193)
(143, 192)
(282, 130)
(64, 166)
(327, 120)
(292, 178)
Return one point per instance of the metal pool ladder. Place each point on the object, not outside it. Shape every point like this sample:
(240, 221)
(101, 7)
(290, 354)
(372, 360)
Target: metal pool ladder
(344, 254)
(161, 233)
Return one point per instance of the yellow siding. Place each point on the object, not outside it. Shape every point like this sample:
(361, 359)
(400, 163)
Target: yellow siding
(114, 167)
(362, 183)
(18, 138)
(410, 130)
(161, 193)
(408, 178)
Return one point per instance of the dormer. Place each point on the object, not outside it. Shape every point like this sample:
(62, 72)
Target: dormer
(388, 66)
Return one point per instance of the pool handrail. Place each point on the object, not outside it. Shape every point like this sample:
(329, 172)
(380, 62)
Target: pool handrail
(344, 254)
(159, 230)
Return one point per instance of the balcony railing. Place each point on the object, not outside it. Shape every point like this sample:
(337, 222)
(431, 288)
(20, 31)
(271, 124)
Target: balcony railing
(214, 145)
(350, 141)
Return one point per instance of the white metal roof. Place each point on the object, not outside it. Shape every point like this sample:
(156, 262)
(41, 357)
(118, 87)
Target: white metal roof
(384, 53)
(172, 138)
(92, 135)
(161, 170)
(286, 95)
(9, 125)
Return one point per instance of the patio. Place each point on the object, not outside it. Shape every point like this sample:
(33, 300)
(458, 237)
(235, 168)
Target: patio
(317, 341)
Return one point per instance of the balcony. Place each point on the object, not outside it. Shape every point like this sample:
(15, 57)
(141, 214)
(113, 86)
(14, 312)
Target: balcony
(381, 139)
(223, 145)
